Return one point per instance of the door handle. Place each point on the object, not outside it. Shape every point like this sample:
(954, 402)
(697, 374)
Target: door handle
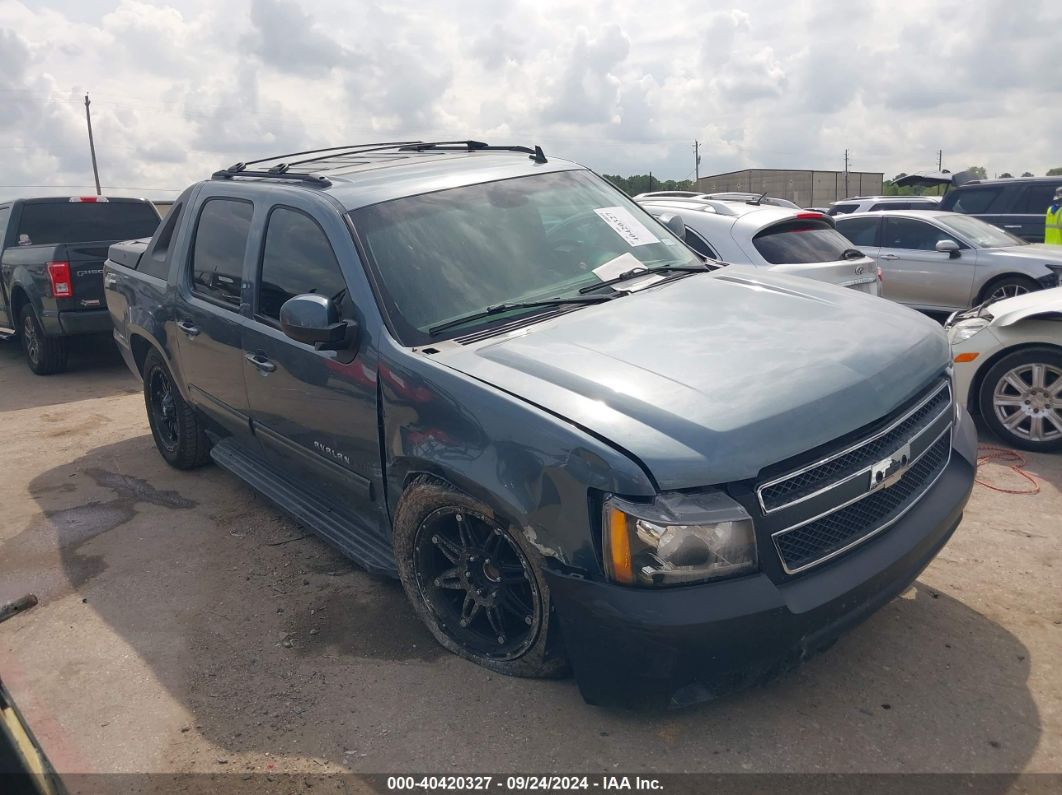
(110, 281)
(888, 256)
(261, 362)
(188, 328)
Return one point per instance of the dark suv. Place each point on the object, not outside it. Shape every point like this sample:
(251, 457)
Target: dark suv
(1017, 205)
(496, 377)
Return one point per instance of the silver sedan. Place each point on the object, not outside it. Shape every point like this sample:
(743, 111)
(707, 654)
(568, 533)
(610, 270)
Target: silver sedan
(940, 261)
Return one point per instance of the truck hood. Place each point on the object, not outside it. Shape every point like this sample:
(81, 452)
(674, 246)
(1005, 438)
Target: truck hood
(710, 378)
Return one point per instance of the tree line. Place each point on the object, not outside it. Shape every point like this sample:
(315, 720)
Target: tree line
(646, 183)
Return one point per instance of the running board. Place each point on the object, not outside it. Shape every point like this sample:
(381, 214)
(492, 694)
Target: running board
(365, 547)
(6, 333)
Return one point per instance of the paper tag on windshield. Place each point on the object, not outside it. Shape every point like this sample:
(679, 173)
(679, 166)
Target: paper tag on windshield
(627, 226)
(621, 264)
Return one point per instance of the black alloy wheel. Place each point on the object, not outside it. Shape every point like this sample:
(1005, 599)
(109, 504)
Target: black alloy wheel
(477, 583)
(163, 408)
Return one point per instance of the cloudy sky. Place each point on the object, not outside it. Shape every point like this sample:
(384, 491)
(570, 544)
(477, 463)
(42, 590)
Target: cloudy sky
(184, 87)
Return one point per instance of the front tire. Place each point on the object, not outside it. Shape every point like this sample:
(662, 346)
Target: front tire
(45, 355)
(1021, 399)
(1007, 287)
(177, 430)
(475, 582)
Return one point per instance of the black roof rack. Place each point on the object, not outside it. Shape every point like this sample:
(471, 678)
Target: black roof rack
(311, 170)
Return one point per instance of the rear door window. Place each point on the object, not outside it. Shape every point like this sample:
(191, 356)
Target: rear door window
(800, 242)
(1037, 198)
(891, 206)
(52, 223)
(860, 231)
(218, 250)
(971, 200)
(297, 259)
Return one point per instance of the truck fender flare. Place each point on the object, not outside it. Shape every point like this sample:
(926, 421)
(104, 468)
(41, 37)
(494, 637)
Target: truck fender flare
(141, 340)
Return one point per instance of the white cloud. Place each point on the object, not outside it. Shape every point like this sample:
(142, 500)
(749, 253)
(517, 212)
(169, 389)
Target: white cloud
(182, 88)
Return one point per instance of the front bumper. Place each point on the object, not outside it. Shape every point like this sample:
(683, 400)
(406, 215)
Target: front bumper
(673, 647)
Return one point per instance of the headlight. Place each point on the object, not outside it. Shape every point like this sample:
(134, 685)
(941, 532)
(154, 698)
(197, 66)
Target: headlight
(965, 329)
(677, 539)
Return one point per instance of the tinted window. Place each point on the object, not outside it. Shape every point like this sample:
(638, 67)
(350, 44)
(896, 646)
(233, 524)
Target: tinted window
(1037, 198)
(5, 213)
(923, 205)
(970, 200)
(861, 231)
(218, 250)
(799, 242)
(51, 223)
(155, 263)
(699, 244)
(891, 206)
(842, 209)
(910, 234)
(297, 259)
(981, 234)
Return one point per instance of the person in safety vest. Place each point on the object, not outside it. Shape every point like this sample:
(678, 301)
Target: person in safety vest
(1053, 221)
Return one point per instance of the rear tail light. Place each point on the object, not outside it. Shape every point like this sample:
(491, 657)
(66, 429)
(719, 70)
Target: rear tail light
(809, 216)
(59, 276)
(87, 199)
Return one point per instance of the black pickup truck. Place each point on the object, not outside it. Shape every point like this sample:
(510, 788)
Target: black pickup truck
(51, 268)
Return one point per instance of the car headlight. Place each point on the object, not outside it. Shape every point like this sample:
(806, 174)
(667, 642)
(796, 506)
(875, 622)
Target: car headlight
(677, 539)
(965, 329)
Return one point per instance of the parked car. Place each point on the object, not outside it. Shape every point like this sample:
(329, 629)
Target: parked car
(51, 269)
(492, 375)
(869, 204)
(1008, 367)
(755, 198)
(773, 238)
(1018, 205)
(939, 261)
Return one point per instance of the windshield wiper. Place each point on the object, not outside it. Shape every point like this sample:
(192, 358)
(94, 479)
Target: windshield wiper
(497, 309)
(852, 253)
(634, 273)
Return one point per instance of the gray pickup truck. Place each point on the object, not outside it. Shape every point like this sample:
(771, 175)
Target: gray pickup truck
(577, 443)
(51, 268)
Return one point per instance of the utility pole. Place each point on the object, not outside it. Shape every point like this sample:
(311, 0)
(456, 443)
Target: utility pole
(940, 160)
(697, 162)
(92, 146)
(846, 194)
(650, 181)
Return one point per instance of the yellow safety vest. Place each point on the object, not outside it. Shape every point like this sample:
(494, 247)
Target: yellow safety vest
(1053, 225)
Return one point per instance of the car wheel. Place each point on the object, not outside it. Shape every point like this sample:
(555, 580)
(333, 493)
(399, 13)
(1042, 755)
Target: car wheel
(45, 355)
(178, 432)
(475, 582)
(1007, 287)
(1021, 399)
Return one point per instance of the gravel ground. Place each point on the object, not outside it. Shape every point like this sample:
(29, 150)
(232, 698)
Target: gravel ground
(186, 625)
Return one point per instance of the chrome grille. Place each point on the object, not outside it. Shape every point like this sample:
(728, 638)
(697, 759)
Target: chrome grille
(824, 474)
(820, 539)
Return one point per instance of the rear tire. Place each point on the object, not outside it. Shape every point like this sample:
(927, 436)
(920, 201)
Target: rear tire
(475, 582)
(45, 355)
(1020, 399)
(1007, 287)
(177, 430)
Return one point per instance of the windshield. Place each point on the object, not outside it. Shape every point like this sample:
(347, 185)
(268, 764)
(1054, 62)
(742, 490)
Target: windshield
(444, 255)
(981, 234)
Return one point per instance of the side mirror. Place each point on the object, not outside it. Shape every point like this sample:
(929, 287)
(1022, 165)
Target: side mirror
(314, 320)
(949, 247)
(674, 222)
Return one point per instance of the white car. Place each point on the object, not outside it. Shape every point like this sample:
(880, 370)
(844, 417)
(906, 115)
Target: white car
(1008, 367)
(869, 204)
(765, 236)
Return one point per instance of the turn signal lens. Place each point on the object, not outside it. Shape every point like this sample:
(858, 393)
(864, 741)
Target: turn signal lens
(619, 547)
(966, 357)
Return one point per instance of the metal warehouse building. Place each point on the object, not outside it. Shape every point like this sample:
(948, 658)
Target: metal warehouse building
(806, 188)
